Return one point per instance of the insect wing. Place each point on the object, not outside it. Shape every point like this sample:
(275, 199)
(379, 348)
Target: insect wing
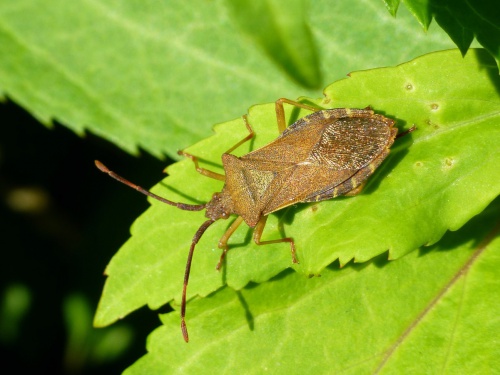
(318, 153)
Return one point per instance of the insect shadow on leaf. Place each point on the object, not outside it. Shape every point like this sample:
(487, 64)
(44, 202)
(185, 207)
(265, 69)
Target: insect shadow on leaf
(328, 153)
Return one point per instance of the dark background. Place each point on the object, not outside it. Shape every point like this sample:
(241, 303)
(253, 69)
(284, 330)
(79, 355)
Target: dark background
(61, 222)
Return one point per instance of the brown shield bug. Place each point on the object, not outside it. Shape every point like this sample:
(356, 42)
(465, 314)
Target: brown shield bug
(328, 153)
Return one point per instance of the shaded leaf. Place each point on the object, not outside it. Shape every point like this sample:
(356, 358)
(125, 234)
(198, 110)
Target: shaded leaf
(432, 311)
(282, 32)
(460, 35)
(481, 18)
(462, 20)
(421, 10)
(414, 197)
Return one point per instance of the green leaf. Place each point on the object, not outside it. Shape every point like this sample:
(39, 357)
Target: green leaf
(432, 311)
(392, 6)
(84, 344)
(456, 111)
(282, 32)
(156, 75)
(421, 10)
(358, 35)
(416, 195)
(462, 20)
(460, 35)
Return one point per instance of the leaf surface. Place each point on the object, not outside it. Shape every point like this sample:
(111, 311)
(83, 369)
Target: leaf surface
(433, 311)
(413, 198)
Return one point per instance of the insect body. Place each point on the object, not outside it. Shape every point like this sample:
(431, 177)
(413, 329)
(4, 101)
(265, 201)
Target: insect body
(328, 153)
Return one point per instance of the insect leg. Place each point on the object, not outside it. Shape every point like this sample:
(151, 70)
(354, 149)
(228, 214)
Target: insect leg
(250, 135)
(280, 111)
(257, 234)
(356, 190)
(223, 241)
(203, 171)
(195, 240)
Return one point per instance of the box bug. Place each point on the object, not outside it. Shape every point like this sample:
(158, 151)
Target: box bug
(328, 153)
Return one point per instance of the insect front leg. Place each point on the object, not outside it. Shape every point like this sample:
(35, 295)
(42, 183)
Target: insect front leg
(215, 175)
(250, 135)
(257, 234)
(203, 171)
(223, 241)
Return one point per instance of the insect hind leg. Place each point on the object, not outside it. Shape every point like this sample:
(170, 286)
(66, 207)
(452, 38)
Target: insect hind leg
(257, 234)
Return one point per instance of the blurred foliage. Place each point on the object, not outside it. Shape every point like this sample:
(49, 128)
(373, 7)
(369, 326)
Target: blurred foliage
(55, 241)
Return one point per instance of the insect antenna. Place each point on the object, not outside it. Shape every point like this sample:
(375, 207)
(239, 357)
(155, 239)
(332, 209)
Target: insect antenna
(182, 206)
(402, 134)
(195, 240)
